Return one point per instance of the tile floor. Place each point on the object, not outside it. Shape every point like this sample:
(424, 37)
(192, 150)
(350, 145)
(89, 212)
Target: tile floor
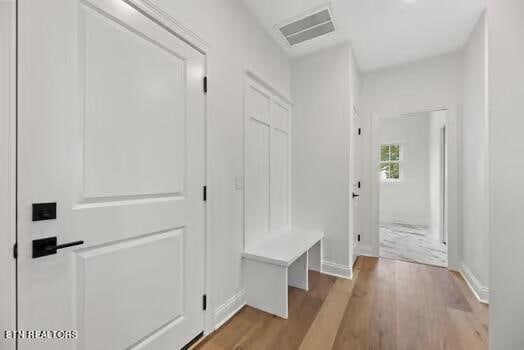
(412, 243)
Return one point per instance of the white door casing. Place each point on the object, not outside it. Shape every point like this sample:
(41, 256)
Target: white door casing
(111, 128)
(355, 180)
(7, 171)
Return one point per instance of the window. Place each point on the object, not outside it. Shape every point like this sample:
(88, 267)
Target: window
(390, 162)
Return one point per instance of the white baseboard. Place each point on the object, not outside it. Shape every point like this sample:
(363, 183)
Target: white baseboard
(337, 270)
(480, 291)
(228, 309)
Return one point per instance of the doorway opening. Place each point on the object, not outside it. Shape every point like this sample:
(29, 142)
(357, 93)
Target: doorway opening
(413, 172)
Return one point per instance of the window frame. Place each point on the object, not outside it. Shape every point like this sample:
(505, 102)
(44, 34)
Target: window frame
(399, 162)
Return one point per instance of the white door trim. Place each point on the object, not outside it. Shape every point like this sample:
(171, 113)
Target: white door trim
(454, 198)
(8, 172)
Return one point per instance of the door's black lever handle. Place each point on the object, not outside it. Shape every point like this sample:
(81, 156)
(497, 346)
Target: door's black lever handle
(49, 246)
(70, 244)
(355, 195)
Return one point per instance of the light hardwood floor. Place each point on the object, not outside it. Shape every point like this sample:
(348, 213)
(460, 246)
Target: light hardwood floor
(388, 305)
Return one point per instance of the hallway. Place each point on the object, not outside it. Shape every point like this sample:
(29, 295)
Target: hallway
(397, 305)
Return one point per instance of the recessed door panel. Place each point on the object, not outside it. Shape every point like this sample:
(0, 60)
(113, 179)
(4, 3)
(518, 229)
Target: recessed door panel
(119, 284)
(134, 111)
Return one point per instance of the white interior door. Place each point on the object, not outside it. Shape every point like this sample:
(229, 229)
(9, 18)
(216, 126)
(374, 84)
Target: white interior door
(111, 128)
(355, 174)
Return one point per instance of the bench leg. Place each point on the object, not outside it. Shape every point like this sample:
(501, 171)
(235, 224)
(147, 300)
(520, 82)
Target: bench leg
(315, 257)
(266, 287)
(298, 273)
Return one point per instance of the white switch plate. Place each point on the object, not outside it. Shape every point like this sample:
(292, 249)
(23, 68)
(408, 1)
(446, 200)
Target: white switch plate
(239, 182)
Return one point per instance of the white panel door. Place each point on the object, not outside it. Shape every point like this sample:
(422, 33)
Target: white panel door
(111, 128)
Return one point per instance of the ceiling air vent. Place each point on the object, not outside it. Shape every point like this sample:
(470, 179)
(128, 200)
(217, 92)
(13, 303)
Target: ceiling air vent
(309, 27)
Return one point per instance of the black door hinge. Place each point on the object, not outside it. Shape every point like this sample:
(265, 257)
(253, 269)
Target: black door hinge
(204, 302)
(358, 184)
(359, 131)
(15, 251)
(358, 238)
(205, 85)
(204, 193)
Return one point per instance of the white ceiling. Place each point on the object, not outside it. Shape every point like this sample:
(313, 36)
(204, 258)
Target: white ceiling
(382, 32)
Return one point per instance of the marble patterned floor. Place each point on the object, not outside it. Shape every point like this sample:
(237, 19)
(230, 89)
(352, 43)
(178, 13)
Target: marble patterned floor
(412, 243)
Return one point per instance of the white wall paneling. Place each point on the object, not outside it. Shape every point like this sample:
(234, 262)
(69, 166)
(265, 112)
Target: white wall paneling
(7, 169)
(267, 162)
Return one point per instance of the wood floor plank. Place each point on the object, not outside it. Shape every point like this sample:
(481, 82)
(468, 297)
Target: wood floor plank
(382, 333)
(411, 331)
(479, 309)
(354, 328)
(389, 305)
(470, 337)
(323, 330)
(439, 294)
(291, 335)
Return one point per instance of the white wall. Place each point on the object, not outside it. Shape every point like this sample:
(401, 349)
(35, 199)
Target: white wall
(437, 121)
(236, 43)
(322, 86)
(421, 86)
(7, 170)
(475, 126)
(506, 106)
(407, 201)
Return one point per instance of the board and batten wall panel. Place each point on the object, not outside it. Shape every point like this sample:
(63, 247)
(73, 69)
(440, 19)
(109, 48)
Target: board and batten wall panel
(267, 190)
(279, 191)
(257, 165)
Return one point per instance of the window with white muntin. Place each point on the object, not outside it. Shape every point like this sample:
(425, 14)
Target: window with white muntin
(390, 162)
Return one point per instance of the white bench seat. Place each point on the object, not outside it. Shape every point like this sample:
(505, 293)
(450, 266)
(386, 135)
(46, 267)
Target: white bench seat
(280, 261)
(284, 248)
